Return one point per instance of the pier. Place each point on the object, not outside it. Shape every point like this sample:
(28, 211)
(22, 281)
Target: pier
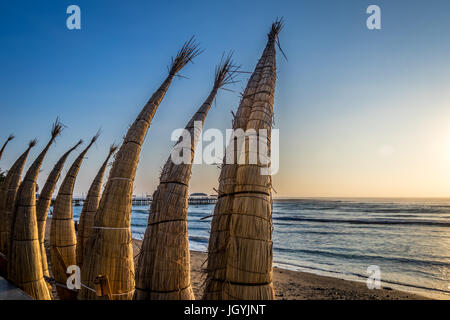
(194, 199)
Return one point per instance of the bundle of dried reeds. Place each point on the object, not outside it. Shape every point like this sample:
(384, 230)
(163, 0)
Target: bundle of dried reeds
(24, 252)
(62, 230)
(43, 205)
(90, 207)
(240, 246)
(8, 197)
(4, 145)
(109, 250)
(164, 268)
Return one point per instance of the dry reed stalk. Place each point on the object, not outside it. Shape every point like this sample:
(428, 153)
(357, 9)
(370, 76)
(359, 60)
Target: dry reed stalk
(90, 207)
(43, 205)
(24, 252)
(164, 268)
(4, 145)
(240, 246)
(62, 230)
(109, 248)
(8, 194)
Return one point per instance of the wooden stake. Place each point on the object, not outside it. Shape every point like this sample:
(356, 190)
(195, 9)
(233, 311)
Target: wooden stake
(102, 287)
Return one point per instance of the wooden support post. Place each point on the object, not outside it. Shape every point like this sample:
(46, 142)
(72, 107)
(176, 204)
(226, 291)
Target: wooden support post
(60, 258)
(3, 265)
(102, 287)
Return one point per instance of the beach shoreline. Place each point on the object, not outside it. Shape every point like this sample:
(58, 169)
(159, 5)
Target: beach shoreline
(299, 285)
(289, 284)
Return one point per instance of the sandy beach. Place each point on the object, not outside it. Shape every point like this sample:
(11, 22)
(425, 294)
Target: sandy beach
(291, 285)
(295, 285)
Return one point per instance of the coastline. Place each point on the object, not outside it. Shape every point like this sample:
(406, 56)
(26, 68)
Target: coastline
(298, 285)
(288, 284)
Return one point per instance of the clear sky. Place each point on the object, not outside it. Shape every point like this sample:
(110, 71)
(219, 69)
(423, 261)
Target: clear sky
(361, 112)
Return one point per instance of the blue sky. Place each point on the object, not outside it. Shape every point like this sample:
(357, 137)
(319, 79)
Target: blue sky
(360, 112)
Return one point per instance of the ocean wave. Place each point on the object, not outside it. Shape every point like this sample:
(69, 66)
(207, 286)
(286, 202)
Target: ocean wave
(199, 239)
(367, 221)
(141, 211)
(360, 257)
(362, 207)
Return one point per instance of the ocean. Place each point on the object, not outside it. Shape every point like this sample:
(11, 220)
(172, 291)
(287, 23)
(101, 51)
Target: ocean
(408, 239)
